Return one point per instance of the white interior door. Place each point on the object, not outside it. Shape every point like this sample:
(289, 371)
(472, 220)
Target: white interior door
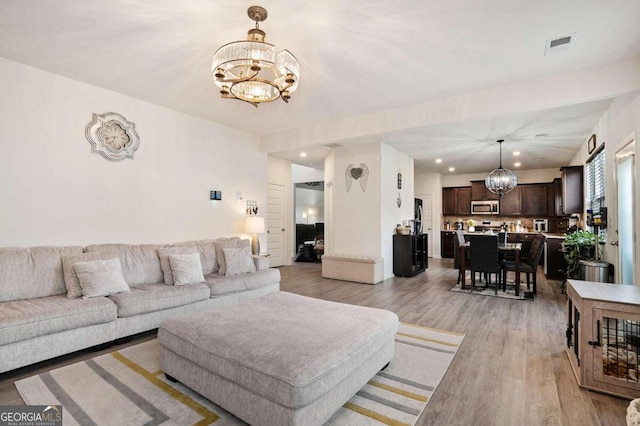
(626, 232)
(427, 219)
(275, 225)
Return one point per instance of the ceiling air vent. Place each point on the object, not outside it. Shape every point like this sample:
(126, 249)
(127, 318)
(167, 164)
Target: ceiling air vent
(333, 145)
(559, 44)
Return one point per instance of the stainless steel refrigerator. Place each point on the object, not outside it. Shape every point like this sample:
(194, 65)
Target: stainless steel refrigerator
(417, 219)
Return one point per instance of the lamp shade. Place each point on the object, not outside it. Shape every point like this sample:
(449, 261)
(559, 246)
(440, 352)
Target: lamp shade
(254, 225)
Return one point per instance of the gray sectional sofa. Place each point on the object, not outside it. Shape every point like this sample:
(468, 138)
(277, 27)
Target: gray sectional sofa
(41, 317)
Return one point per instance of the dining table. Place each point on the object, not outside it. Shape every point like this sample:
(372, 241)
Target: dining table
(503, 247)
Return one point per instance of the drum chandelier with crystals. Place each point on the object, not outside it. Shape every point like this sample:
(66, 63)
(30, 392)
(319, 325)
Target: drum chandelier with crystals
(500, 181)
(251, 71)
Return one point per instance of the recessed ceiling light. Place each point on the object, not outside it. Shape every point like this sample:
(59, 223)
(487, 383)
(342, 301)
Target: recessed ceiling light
(438, 160)
(516, 153)
(451, 169)
(303, 154)
(517, 164)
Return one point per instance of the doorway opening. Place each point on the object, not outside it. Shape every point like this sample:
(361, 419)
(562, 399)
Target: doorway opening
(309, 214)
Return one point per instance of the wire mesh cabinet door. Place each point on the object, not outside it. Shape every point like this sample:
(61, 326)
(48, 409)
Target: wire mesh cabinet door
(615, 345)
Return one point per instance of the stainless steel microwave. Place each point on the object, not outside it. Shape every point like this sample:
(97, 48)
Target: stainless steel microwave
(485, 207)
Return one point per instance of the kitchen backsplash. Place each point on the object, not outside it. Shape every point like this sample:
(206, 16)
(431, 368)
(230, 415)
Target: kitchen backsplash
(555, 224)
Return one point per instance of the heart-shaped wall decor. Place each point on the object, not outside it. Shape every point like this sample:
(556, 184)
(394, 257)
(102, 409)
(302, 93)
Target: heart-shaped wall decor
(356, 172)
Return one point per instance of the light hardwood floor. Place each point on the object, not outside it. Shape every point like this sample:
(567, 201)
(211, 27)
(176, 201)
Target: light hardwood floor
(511, 368)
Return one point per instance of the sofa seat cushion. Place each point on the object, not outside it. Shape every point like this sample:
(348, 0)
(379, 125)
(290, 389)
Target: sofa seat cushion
(145, 298)
(221, 285)
(26, 319)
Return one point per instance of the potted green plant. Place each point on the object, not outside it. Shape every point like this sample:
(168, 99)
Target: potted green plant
(579, 245)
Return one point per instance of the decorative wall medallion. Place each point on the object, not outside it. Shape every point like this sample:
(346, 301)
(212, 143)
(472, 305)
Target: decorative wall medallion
(400, 179)
(361, 174)
(112, 136)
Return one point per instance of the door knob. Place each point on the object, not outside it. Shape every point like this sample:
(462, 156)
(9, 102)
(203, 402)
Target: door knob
(614, 243)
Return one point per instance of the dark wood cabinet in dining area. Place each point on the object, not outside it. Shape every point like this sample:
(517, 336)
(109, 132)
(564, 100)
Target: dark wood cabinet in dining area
(410, 255)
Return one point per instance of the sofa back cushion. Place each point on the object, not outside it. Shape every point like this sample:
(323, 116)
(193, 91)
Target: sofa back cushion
(29, 273)
(71, 281)
(222, 243)
(207, 249)
(140, 262)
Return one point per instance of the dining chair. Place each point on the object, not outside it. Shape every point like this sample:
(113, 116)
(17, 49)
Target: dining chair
(457, 241)
(530, 264)
(485, 258)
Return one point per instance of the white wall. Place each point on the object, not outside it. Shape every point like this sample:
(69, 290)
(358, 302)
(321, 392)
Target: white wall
(393, 161)
(54, 191)
(301, 174)
(356, 214)
(617, 124)
(361, 222)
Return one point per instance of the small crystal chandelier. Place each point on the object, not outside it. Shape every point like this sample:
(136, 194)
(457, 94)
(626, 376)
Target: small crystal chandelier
(251, 71)
(500, 181)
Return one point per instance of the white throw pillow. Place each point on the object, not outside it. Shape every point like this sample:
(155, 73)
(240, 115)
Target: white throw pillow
(100, 277)
(164, 253)
(186, 268)
(238, 261)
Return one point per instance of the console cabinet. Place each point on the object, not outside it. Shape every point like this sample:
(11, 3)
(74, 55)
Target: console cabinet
(410, 255)
(603, 336)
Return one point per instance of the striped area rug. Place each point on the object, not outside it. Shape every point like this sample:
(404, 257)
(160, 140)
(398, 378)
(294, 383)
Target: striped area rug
(126, 387)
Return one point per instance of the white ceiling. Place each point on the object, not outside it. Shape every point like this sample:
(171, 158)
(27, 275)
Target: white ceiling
(357, 57)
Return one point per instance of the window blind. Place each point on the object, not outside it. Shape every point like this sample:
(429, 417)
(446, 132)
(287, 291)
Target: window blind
(595, 181)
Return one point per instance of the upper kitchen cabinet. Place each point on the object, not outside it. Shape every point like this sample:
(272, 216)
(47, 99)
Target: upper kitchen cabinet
(557, 197)
(456, 201)
(479, 192)
(511, 203)
(534, 199)
(572, 190)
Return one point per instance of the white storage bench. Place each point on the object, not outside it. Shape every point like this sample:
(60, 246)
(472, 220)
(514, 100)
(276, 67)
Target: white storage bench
(360, 269)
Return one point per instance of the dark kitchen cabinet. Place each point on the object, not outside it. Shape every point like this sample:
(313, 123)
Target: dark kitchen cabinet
(557, 195)
(511, 203)
(555, 259)
(534, 199)
(551, 200)
(456, 201)
(410, 255)
(572, 189)
(479, 192)
(447, 244)
(449, 201)
(463, 200)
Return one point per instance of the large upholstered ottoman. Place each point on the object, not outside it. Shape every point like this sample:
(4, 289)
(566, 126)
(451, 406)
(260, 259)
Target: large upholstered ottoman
(281, 359)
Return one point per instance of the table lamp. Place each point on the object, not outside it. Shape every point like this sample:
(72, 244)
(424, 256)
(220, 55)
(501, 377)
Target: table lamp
(254, 225)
